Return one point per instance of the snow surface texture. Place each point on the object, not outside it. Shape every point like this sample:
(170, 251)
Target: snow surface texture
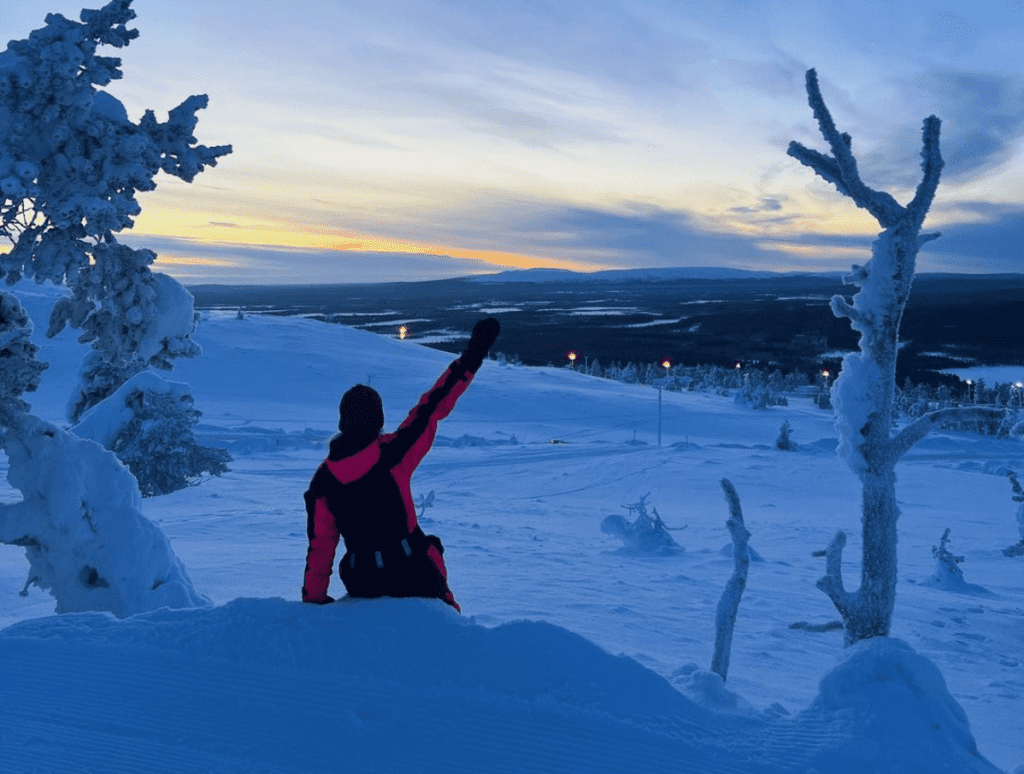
(407, 685)
(526, 680)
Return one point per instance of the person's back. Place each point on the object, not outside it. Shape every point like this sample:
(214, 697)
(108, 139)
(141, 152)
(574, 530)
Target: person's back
(361, 492)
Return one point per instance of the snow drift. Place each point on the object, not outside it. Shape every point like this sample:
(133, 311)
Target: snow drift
(396, 685)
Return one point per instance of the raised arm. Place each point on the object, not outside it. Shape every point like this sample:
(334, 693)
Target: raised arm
(415, 435)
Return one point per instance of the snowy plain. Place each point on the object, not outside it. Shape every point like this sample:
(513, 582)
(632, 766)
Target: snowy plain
(573, 653)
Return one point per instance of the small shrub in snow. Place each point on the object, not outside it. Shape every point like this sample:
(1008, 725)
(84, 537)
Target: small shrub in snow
(784, 442)
(947, 562)
(647, 533)
(1018, 497)
(424, 502)
(948, 575)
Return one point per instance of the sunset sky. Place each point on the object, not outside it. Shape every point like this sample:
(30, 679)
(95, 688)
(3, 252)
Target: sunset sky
(379, 140)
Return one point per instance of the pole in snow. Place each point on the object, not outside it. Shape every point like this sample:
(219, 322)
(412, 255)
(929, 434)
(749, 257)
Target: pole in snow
(666, 364)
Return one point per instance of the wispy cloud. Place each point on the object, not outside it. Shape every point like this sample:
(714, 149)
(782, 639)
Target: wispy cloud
(992, 244)
(195, 263)
(983, 121)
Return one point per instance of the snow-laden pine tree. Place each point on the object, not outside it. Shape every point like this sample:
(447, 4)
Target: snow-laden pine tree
(71, 164)
(863, 395)
(80, 519)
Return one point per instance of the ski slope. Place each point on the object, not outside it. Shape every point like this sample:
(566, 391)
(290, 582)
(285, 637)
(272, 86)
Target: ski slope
(573, 654)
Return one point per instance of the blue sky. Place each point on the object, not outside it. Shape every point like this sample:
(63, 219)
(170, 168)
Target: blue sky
(392, 139)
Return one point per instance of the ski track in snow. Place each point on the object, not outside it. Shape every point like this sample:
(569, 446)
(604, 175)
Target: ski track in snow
(521, 526)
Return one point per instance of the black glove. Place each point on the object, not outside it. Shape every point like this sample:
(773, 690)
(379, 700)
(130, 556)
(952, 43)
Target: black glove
(484, 334)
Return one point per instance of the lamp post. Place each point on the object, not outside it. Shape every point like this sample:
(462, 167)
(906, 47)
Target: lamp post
(666, 364)
(403, 331)
(970, 391)
(572, 359)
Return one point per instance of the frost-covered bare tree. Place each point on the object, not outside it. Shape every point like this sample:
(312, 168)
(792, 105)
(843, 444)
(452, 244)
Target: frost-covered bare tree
(863, 395)
(71, 163)
(729, 603)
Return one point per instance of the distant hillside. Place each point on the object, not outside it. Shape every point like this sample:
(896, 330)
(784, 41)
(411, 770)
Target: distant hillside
(624, 275)
(766, 319)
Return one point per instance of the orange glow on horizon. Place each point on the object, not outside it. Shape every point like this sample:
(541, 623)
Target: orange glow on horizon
(281, 235)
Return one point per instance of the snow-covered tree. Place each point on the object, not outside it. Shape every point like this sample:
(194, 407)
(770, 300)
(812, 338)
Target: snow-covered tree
(863, 395)
(784, 441)
(71, 164)
(19, 369)
(148, 423)
(80, 520)
(1018, 497)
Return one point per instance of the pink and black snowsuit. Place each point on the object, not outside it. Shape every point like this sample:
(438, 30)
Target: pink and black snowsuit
(361, 493)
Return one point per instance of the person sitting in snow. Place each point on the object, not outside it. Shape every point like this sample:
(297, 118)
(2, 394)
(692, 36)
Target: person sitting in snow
(361, 492)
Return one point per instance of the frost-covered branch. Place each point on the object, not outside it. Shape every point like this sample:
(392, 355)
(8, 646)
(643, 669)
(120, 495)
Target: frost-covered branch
(729, 603)
(931, 166)
(832, 581)
(840, 169)
(921, 426)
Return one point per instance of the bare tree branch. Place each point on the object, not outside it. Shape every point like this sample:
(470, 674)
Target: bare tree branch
(881, 205)
(920, 427)
(832, 581)
(842, 308)
(931, 165)
(825, 166)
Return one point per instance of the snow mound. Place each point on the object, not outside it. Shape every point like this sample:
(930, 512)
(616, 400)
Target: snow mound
(895, 701)
(402, 685)
(944, 580)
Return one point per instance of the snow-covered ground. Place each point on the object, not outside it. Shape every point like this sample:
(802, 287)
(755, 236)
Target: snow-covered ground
(573, 654)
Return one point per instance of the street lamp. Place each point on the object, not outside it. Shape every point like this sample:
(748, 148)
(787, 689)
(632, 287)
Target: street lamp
(970, 390)
(403, 331)
(572, 359)
(666, 364)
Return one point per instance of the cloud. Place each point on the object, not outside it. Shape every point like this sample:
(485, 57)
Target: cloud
(193, 262)
(637, 235)
(766, 204)
(993, 245)
(982, 119)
